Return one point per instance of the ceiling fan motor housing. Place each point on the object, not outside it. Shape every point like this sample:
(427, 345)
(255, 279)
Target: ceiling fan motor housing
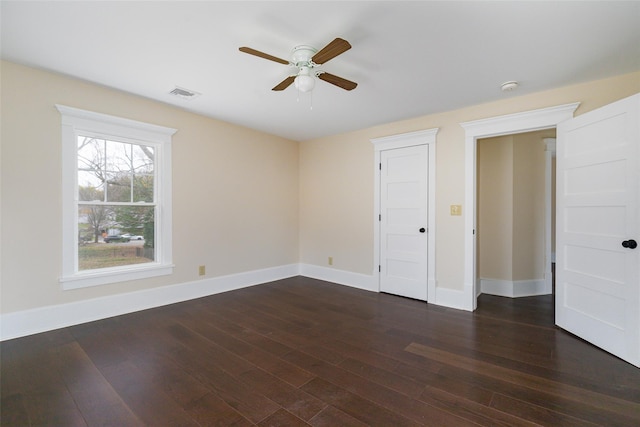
(301, 56)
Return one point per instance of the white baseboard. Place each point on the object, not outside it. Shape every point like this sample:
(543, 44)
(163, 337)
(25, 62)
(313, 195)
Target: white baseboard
(341, 277)
(27, 322)
(450, 298)
(445, 297)
(514, 289)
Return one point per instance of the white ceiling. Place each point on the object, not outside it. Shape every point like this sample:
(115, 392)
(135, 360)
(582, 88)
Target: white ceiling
(408, 58)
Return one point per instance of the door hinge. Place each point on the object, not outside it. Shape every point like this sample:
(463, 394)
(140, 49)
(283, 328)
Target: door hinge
(379, 217)
(379, 269)
(380, 166)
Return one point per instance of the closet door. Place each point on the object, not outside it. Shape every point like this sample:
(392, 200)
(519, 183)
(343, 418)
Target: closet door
(403, 221)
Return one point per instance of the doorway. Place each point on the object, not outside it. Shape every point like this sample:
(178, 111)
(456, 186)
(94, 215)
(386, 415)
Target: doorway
(546, 118)
(597, 200)
(514, 214)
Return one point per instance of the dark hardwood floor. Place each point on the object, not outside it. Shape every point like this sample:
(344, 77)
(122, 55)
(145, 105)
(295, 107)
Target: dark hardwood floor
(306, 352)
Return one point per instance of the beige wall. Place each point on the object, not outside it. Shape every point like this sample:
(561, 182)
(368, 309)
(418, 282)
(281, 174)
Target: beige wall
(242, 200)
(495, 208)
(337, 215)
(235, 190)
(511, 206)
(529, 205)
(336, 202)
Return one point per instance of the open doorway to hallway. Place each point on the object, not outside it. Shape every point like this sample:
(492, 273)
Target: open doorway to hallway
(515, 215)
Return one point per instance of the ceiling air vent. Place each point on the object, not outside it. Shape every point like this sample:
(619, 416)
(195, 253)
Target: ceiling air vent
(184, 93)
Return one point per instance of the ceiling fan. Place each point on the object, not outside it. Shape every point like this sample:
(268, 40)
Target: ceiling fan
(308, 60)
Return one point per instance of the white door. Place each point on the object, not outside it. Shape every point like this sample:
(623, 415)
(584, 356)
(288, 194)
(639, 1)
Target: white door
(403, 221)
(598, 223)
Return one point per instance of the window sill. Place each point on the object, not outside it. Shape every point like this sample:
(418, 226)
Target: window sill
(121, 274)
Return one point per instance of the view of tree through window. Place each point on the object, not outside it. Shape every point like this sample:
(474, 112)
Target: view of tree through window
(116, 203)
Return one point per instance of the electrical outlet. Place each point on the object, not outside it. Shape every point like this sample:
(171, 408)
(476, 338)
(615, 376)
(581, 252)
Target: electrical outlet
(330, 260)
(201, 270)
(456, 210)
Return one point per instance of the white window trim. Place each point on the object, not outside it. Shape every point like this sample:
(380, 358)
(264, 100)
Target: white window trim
(75, 121)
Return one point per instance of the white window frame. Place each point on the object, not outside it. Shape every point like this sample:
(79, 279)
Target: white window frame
(76, 121)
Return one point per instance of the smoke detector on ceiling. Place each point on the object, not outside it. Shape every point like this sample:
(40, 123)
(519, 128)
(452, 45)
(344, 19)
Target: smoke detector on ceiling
(509, 86)
(184, 93)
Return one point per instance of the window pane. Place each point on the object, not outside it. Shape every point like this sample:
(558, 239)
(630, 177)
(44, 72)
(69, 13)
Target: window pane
(119, 187)
(91, 173)
(91, 153)
(89, 188)
(118, 157)
(143, 188)
(143, 170)
(92, 220)
(112, 236)
(118, 171)
(142, 158)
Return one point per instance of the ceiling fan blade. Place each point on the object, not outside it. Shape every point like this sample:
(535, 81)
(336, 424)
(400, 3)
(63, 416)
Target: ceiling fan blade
(330, 51)
(338, 81)
(262, 55)
(285, 83)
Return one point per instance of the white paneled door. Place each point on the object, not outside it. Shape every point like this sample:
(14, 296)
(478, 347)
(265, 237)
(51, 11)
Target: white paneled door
(403, 221)
(598, 227)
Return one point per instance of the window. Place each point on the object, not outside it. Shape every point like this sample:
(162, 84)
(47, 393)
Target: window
(116, 199)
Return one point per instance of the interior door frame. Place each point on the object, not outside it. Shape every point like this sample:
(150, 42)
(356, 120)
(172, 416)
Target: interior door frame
(528, 121)
(424, 137)
(549, 212)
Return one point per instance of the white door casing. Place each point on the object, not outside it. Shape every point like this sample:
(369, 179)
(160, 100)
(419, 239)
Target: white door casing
(598, 192)
(427, 139)
(403, 221)
(528, 121)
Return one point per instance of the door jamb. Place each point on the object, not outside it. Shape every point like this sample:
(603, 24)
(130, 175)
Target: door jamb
(424, 137)
(549, 254)
(528, 121)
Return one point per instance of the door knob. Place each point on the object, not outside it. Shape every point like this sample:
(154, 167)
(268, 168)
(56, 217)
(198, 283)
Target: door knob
(631, 244)
(422, 230)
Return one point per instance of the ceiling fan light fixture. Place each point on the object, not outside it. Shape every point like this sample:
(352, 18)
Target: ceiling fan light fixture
(304, 83)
